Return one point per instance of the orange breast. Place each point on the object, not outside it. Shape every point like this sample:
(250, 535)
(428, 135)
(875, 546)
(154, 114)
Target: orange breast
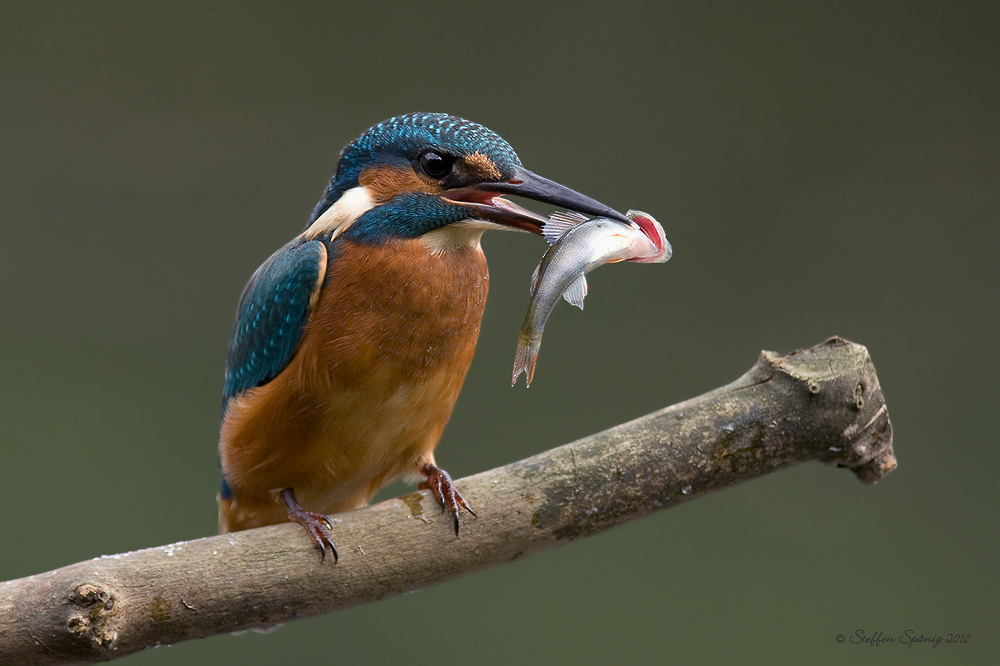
(367, 395)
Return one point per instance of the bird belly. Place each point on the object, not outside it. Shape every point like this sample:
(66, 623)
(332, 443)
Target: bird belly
(370, 389)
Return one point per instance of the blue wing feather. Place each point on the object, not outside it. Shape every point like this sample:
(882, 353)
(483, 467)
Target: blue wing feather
(272, 315)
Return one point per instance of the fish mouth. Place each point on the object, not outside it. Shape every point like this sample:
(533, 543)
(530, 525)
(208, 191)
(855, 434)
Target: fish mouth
(654, 232)
(487, 201)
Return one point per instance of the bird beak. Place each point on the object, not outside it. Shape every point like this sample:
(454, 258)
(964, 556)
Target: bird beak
(485, 198)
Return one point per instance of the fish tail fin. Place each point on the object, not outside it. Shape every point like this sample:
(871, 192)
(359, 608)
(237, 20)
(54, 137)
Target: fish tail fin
(525, 359)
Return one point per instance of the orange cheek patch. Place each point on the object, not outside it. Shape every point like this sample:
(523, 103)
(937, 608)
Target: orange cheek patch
(483, 166)
(384, 183)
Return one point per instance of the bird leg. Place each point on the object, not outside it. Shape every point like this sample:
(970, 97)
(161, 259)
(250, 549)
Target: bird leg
(439, 482)
(317, 525)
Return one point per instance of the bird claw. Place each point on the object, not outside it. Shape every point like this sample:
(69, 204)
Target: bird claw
(316, 524)
(439, 482)
(318, 533)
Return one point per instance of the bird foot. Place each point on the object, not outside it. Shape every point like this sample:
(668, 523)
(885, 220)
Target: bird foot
(317, 525)
(439, 482)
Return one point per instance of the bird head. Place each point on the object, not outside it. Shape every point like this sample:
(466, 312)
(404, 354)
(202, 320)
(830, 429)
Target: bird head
(421, 172)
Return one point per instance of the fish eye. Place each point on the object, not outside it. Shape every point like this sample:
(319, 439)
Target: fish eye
(435, 164)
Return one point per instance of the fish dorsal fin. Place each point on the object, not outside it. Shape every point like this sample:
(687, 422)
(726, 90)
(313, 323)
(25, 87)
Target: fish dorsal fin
(576, 292)
(559, 223)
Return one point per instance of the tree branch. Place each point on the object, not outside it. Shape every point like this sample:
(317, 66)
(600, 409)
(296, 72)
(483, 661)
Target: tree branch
(818, 404)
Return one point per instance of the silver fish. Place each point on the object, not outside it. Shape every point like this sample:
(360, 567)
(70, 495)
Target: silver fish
(580, 245)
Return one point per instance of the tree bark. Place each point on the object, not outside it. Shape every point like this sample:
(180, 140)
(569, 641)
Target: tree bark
(823, 404)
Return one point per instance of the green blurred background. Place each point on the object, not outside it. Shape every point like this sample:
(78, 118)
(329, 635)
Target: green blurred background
(819, 171)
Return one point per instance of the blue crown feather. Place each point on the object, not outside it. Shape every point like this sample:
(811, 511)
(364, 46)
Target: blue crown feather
(403, 139)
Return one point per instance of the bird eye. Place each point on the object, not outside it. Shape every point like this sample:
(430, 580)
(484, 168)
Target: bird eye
(435, 165)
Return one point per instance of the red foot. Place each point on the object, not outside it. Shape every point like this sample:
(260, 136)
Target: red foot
(439, 482)
(316, 524)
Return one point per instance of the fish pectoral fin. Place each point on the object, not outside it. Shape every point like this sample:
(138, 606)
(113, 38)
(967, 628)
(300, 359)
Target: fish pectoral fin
(534, 279)
(576, 292)
(559, 223)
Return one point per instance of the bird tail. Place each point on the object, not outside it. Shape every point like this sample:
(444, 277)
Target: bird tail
(525, 359)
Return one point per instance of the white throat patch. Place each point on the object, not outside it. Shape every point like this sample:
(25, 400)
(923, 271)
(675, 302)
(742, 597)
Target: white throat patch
(452, 237)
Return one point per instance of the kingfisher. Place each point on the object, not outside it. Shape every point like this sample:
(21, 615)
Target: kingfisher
(352, 341)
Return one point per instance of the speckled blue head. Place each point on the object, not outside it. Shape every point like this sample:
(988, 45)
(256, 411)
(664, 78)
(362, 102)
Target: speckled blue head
(402, 140)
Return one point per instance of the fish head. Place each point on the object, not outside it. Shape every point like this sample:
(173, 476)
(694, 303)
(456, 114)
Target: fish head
(653, 247)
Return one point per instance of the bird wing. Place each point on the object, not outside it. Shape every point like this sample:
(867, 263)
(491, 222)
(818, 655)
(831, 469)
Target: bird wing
(272, 315)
